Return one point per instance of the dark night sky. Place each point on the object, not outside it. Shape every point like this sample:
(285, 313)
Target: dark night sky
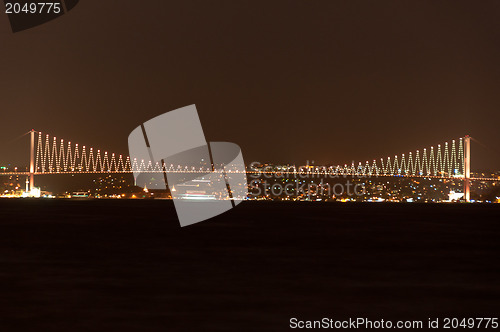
(288, 81)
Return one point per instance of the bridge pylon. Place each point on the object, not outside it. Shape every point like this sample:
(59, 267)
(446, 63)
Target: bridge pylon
(32, 161)
(467, 169)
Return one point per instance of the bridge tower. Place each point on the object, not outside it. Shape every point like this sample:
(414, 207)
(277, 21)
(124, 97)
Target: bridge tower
(467, 169)
(32, 161)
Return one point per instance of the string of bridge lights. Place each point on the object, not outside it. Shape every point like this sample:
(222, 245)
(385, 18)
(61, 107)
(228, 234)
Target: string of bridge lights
(60, 156)
(57, 156)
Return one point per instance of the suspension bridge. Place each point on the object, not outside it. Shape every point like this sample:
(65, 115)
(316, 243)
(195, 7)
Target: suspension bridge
(49, 155)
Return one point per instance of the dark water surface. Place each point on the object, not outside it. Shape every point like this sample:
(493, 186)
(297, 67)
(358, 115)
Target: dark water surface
(128, 266)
